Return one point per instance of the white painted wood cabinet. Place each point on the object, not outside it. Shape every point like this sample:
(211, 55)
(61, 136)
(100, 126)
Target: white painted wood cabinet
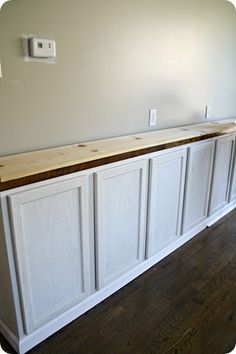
(68, 243)
(50, 236)
(166, 191)
(198, 183)
(221, 174)
(120, 220)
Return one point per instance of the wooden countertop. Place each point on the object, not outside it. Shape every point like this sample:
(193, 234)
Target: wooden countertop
(21, 169)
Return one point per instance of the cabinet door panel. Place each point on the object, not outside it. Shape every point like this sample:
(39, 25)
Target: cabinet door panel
(120, 220)
(51, 244)
(221, 174)
(167, 177)
(199, 173)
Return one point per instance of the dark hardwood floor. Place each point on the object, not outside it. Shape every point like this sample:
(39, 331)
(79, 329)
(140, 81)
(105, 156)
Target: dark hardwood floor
(184, 304)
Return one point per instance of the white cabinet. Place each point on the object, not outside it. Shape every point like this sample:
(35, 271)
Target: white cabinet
(120, 214)
(166, 190)
(51, 244)
(199, 173)
(221, 174)
(68, 243)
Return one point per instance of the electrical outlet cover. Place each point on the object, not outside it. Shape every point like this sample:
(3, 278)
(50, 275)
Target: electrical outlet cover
(152, 117)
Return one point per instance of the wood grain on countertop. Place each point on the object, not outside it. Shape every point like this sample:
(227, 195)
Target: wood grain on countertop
(22, 169)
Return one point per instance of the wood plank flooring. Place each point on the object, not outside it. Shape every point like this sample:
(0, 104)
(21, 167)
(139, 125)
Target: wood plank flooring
(184, 304)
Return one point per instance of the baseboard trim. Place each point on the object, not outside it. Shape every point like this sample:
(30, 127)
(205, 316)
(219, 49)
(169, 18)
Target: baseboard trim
(221, 213)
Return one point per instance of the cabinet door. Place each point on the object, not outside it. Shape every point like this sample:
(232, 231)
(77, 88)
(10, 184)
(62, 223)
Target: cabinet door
(120, 220)
(199, 173)
(221, 174)
(50, 234)
(167, 177)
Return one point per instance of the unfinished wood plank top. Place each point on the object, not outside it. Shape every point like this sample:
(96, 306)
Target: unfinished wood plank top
(25, 168)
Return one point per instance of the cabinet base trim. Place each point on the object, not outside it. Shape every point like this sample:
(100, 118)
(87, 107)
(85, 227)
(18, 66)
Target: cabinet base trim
(217, 216)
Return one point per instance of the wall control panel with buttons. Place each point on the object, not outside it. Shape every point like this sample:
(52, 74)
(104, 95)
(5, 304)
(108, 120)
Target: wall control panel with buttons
(42, 48)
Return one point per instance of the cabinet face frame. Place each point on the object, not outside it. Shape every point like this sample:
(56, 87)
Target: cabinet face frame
(215, 185)
(15, 201)
(100, 178)
(157, 161)
(191, 150)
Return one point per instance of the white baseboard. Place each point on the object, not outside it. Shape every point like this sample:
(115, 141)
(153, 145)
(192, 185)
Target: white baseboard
(217, 216)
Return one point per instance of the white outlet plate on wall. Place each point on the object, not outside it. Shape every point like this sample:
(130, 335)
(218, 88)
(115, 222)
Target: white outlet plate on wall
(208, 112)
(152, 117)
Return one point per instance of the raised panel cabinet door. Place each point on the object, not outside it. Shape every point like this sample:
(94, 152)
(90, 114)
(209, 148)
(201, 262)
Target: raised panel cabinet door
(51, 243)
(120, 214)
(198, 182)
(221, 174)
(166, 191)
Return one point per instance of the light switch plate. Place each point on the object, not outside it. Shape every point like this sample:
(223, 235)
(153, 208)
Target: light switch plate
(42, 48)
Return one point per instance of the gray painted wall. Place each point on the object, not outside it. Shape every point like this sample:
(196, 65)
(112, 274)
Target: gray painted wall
(116, 60)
